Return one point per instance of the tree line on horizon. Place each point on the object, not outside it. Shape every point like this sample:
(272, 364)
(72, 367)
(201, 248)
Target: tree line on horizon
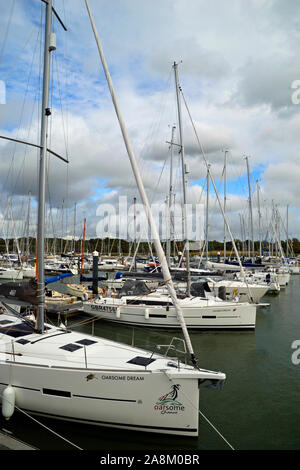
(115, 246)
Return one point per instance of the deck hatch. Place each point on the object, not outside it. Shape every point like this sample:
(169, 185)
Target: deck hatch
(22, 341)
(141, 361)
(70, 347)
(86, 342)
(16, 330)
(5, 322)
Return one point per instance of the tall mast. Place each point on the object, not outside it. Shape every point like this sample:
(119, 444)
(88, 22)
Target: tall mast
(74, 233)
(279, 230)
(170, 200)
(217, 196)
(242, 233)
(184, 181)
(82, 251)
(259, 217)
(285, 228)
(134, 229)
(62, 226)
(275, 217)
(144, 198)
(287, 231)
(207, 204)
(225, 183)
(275, 225)
(28, 225)
(48, 47)
(250, 206)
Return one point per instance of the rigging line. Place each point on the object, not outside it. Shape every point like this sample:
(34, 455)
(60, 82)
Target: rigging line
(57, 221)
(21, 115)
(51, 104)
(66, 37)
(48, 429)
(155, 125)
(50, 134)
(26, 148)
(217, 196)
(215, 429)
(48, 161)
(39, 108)
(124, 336)
(201, 194)
(18, 315)
(7, 30)
(61, 107)
(151, 202)
(206, 419)
(13, 68)
(158, 182)
(177, 183)
(50, 210)
(83, 322)
(67, 201)
(64, 132)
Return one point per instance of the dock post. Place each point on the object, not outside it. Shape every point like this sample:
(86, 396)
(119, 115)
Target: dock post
(95, 272)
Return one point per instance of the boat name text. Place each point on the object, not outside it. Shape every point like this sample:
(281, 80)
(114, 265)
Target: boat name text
(104, 308)
(121, 377)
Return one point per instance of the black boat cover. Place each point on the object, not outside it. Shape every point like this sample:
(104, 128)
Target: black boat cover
(25, 291)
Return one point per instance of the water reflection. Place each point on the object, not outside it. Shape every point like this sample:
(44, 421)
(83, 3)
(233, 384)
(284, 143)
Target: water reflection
(258, 407)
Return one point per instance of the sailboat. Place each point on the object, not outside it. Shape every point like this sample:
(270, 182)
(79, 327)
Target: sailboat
(158, 309)
(67, 375)
(155, 309)
(245, 291)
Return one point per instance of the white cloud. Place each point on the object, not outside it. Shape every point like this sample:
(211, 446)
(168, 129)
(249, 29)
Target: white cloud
(238, 62)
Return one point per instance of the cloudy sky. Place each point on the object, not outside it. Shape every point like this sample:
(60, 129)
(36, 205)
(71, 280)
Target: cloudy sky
(238, 63)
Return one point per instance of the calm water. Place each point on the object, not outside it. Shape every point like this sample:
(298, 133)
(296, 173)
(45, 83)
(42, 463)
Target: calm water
(258, 407)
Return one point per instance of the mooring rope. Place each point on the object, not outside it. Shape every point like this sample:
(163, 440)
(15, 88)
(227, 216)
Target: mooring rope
(46, 427)
(49, 429)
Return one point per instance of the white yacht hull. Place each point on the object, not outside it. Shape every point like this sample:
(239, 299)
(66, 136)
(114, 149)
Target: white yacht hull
(128, 401)
(86, 379)
(215, 317)
(118, 283)
(241, 291)
(222, 266)
(283, 279)
(294, 269)
(11, 274)
(79, 291)
(110, 267)
(29, 273)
